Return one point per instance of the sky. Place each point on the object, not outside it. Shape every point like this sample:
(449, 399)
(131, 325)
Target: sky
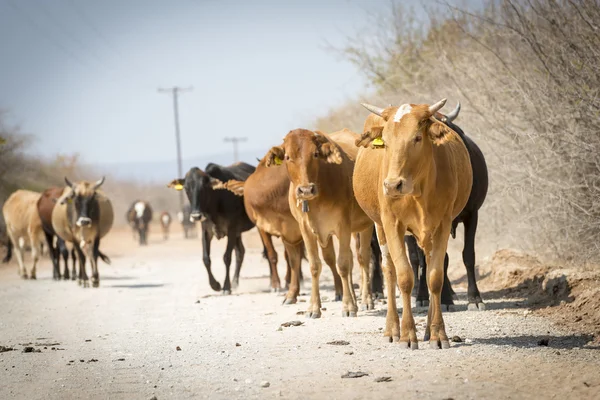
(82, 76)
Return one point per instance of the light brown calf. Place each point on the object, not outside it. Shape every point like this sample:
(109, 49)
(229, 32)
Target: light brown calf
(24, 226)
(413, 175)
(320, 197)
(165, 223)
(266, 201)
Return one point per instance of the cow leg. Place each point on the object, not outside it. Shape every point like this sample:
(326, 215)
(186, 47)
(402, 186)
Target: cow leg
(392, 322)
(271, 254)
(36, 251)
(94, 261)
(61, 249)
(83, 277)
(74, 259)
(405, 278)
(364, 258)
(376, 273)
(288, 269)
(436, 331)
(328, 253)
(447, 292)
(19, 250)
(231, 243)
(420, 294)
(293, 257)
(54, 255)
(344, 264)
(240, 251)
(206, 239)
(312, 250)
(473, 295)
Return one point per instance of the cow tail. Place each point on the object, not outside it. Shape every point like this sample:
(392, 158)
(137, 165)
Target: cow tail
(104, 257)
(9, 247)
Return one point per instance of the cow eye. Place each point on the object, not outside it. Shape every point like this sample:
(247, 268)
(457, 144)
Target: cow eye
(287, 157)
(418, 139)
(316, 155)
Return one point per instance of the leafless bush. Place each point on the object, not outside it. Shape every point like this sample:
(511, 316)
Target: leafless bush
(528, 74)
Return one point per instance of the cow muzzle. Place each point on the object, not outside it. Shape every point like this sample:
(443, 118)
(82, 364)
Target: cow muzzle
(397, 187)
(84, 221)
(197, 217)
(307, 192)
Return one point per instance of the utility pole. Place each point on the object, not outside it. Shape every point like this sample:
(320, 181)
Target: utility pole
(235, 141)
(175, 91)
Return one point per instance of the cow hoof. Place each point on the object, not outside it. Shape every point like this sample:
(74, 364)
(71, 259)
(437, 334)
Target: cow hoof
(33, 277)
(414, 345)
(95, 283)
(275, 290)
(24, 276)
(313, 315)
(235, 284)
(403, 345)
(226, 292)
(472, 307)
(445, 344)
(216, 286)
(434, 345)
(338, 297)
(426, 337)
(352, 314)
(363, 307)
(73, 278)
(287, 301)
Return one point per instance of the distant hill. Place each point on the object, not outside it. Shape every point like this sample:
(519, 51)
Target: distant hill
(165, 171)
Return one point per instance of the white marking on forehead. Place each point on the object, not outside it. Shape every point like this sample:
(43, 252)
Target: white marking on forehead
(402, 111)
(139, 209)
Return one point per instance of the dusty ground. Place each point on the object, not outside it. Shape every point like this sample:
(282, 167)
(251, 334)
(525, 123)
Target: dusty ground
(120, 341)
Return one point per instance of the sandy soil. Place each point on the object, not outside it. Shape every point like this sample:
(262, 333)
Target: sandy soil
(121, 341)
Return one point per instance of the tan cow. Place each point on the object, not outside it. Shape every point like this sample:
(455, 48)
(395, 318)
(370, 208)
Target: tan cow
(165, 223)
(320, 196)
(23, 226)
(83, 215)
(266, 201)
(413, 175)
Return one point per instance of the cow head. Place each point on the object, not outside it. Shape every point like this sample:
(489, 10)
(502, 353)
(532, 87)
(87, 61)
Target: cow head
(407, 134)
(83, 196)
(302, 152)
(198, 187)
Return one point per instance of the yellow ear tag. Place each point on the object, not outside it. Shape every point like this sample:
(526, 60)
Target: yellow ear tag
(70, 200)
(277, 160)
(378, 143)
(178, 186)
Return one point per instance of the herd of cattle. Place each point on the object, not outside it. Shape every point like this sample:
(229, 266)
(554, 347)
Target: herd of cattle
(404, 184)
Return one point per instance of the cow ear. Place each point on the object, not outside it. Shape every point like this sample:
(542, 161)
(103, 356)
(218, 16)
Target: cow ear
(330, 152)
(366, 138)
(176, 184)
(275, 156)
(438, 132)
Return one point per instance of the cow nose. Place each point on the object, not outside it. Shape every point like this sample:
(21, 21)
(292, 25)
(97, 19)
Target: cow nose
(306, 190)
(83, 221)
(195, 216)
(393, 185)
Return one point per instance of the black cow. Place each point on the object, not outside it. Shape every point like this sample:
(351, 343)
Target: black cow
(221, 213)
(139, 217)
(469, 217)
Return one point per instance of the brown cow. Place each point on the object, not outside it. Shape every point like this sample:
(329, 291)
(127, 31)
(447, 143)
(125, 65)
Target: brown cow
(266, 201)
(412, 175)
(45, 206)
(23, 225)
(165, 223)
(83, 215)
(320, 196)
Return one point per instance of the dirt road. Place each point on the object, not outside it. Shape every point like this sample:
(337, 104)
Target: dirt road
(121, 341)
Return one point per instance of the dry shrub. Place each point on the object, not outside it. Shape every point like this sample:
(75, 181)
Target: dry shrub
(528, 75)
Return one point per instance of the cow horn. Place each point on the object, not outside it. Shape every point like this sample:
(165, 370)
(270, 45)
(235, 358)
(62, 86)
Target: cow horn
(437, 106)
(68, 182)
(99, 183)
(373, 109)
(453, 114)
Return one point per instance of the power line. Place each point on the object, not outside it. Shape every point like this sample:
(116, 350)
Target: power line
(40, 30)
(235, 141)
(175, 92)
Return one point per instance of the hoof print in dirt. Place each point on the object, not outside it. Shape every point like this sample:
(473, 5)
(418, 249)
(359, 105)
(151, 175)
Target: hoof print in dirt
(339, 343)
(383, 379)
(543, 342)
(357, 374)
(5, 349)
(292, 323)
